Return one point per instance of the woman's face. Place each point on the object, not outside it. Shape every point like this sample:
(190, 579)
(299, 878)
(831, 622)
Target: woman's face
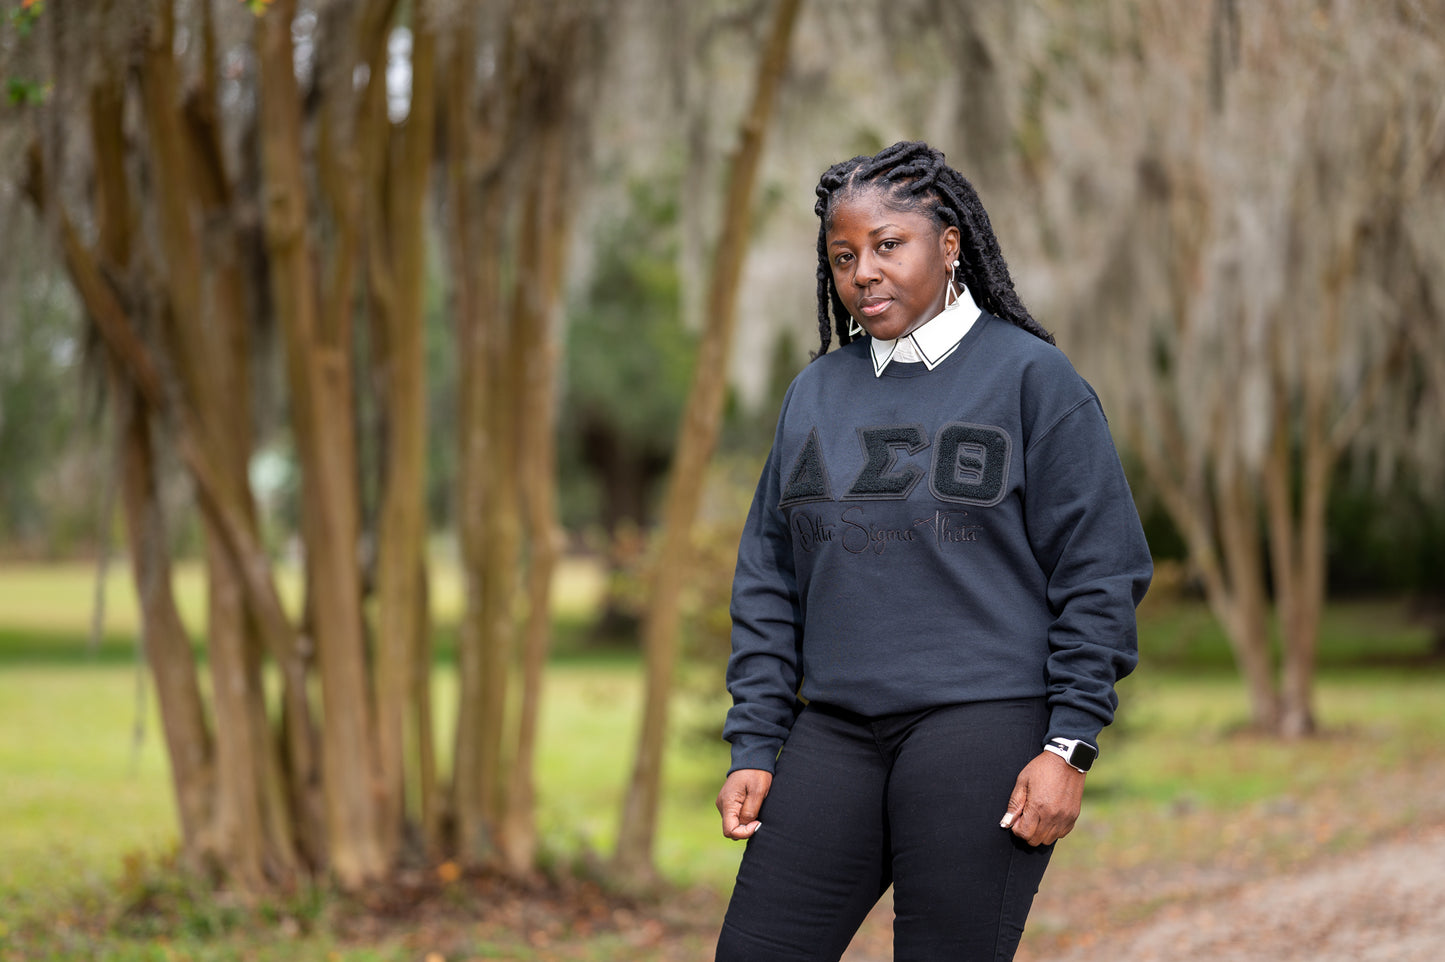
(890, 267)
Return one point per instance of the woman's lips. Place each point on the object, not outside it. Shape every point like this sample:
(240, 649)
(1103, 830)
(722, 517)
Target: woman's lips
(873, 308)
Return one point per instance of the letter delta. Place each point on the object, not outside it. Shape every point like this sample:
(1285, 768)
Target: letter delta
(969, 465)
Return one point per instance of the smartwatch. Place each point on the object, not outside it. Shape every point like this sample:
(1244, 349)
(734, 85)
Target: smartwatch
(1079, 754)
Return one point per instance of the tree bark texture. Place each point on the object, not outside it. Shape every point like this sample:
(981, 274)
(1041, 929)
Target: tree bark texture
(397, 241)
(251, 811)
(477, 190)
(167, 647)
(318, 342)
(542, 240)
(189, 745)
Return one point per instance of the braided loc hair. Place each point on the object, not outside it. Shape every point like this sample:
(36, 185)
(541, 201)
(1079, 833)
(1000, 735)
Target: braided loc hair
(913, 176)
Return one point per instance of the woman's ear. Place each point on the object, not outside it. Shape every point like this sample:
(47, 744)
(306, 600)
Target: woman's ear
(950, 241)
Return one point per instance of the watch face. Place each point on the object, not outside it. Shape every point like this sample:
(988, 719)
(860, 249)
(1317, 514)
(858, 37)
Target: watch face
(1083, 756)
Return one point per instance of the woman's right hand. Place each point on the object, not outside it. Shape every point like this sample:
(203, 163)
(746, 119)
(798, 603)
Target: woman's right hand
(741, 797)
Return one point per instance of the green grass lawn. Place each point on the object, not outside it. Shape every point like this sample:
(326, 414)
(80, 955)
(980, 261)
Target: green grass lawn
(84, 784)
(77, 785)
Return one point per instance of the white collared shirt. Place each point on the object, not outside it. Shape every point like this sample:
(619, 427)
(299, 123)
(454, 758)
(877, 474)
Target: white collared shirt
(932, 341)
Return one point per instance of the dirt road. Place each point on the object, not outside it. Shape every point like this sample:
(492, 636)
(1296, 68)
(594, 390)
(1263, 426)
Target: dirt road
(1383, 904)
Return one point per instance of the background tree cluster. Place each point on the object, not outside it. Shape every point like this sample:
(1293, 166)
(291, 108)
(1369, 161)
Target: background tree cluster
(1265, 249)
(353, 274)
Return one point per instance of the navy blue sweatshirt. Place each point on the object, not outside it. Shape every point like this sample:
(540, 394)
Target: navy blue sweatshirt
(926, 538)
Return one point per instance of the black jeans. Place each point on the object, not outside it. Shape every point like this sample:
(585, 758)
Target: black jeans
(912, 800)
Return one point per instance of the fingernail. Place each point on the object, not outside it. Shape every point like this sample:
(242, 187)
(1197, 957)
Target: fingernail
(1007, 820)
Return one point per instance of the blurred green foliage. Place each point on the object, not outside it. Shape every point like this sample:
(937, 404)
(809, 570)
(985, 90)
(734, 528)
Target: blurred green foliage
(1385, 538)
(48, 444)
(628, 364)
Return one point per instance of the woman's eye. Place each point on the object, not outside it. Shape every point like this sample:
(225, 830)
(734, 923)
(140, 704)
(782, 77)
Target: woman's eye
(888, 245)
(842, 259)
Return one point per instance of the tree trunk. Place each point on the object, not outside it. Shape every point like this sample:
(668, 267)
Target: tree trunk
(422, 770)
(1225, 551)
(130, 352)
(167, 647)
(1297, 525)
(476, 196)
(696, 442)
(252, 819)
(1244, 608)
(164, 639)
(542, 243)
(501, 562)
(397, 231)
(318, 353)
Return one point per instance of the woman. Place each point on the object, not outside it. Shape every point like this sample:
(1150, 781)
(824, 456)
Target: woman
(934, 595)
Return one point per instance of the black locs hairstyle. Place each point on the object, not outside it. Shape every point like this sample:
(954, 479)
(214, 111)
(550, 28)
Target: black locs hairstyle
(914, 177)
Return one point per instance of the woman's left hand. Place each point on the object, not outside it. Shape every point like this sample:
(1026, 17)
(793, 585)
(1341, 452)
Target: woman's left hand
(1045, 801)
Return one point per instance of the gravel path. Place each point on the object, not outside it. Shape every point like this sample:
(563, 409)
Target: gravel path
(1383, 904)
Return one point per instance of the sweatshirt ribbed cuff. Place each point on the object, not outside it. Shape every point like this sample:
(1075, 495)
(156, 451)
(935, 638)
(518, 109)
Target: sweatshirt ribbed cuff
(754, 751)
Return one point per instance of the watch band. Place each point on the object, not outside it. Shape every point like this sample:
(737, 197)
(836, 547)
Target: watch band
(1079, 754)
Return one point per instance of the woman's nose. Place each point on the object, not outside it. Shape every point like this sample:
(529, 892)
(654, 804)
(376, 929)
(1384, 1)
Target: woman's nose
(867, 270)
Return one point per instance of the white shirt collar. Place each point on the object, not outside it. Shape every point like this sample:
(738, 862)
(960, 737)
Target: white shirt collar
(932, 341)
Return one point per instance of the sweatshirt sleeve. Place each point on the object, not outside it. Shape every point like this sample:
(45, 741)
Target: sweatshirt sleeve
(1085, 532)
(766, 664)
